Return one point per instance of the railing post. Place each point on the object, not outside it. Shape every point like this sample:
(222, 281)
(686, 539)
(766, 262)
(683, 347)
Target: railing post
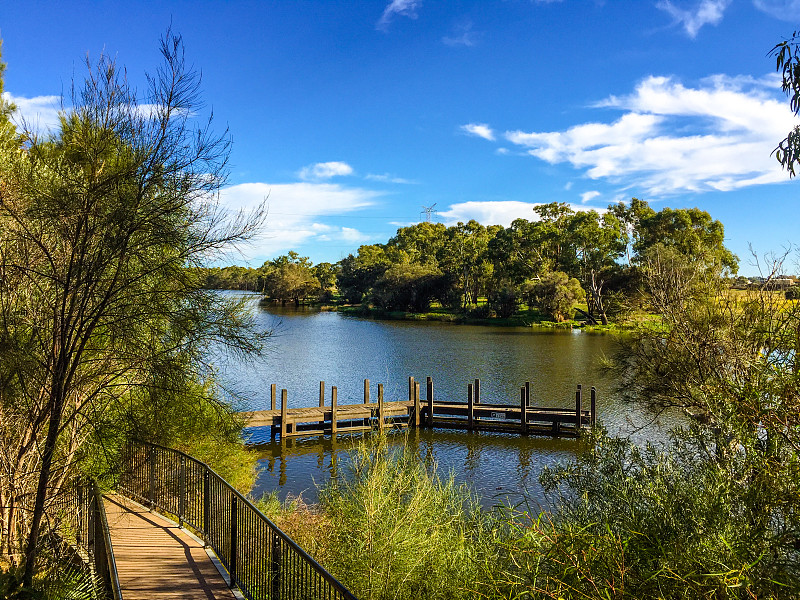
(152, 463)
(334, 402)
(417, 406)
(470, 406)
(182, 491)
(523, 411)
(321, 394)
(275, 566)
(272, 395)
(593, 411)
(578, 410)
(429, 392)
(234, 538)
(284, 414)
(381, 424)
(206, 505)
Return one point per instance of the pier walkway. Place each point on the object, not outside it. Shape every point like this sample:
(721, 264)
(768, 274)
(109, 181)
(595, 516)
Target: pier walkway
(156, 559)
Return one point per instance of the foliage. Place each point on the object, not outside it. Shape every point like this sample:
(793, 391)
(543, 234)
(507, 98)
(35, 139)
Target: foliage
(402, 532)
(105, 225)
(787, 63)
(556, 295)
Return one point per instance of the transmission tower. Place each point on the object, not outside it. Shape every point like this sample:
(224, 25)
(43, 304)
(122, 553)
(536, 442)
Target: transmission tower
(428, 211)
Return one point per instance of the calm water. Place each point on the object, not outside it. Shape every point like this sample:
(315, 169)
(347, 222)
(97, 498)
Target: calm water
(309, 346)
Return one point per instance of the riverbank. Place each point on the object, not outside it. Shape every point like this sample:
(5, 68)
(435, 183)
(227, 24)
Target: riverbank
(527, 318)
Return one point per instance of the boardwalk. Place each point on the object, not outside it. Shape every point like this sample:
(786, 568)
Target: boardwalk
(156, 559)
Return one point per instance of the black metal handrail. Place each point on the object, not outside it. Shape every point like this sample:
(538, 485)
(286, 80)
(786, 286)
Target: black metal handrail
(262, 561)
(84, 526)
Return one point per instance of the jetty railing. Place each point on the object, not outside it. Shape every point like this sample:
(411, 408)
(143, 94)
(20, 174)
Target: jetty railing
(84, 527)
(262, 561)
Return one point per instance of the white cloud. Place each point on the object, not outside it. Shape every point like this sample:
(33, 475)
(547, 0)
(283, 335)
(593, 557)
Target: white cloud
(388, 178)
(39, 113)
(405, 8)
(495, 212)
(716, 136)
(296, 212)
(588, 196)
(325, 170)
(479, 129)
(705, 12)
(786, 10)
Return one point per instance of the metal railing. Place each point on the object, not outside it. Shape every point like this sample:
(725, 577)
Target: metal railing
(261, 560)
(84, 526)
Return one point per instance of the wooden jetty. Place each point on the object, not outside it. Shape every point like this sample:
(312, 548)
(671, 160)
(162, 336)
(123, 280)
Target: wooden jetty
(472, 415)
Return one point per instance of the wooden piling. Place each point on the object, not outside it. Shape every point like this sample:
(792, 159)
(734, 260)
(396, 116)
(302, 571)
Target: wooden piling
(578, 409)
(333, 410)
(321, 394)
(416, 405)
(523, 411)
(429, 392)
(366, 391)
(593, 408)
(410, 389)
(470, 406)
(380, 407)
(528, 393)
(284, 409)
(477, 391)
(272, 395)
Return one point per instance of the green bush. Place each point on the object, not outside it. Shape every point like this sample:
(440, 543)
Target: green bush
(402, 531)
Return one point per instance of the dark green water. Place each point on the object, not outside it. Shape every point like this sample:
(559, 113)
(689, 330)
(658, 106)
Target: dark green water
(309, 346)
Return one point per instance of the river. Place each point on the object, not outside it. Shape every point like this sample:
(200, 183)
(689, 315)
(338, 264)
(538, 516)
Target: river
(308, 346)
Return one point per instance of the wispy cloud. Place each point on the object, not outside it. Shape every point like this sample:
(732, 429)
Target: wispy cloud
(693, 18)
(389, 178)
(589, 196)
(480, 130)
(324, 170)
(405, 8)
(39, 113)
(672, 138)
(785, 10)
(297, 214)
(463, 35)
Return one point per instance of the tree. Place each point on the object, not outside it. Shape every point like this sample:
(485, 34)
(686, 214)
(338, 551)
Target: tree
(104, 227)
(290, 278)
(556, 294)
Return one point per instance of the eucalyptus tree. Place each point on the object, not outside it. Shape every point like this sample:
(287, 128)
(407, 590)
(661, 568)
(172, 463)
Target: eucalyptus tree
(105, 224)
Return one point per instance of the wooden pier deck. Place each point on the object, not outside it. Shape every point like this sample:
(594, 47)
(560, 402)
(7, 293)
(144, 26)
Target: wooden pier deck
(472, 415)
(157, 559)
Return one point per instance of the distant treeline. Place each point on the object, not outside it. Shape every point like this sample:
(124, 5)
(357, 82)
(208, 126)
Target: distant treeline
(557, 260)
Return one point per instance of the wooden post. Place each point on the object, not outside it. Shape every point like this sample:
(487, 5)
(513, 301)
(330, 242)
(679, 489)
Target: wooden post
(284, 409)
(272, 396)
(593, 409)
(333, 410)
(321, 394)
(366, 391)
(411, 389)
(380, 407)
(578, 410)
(528, 392)
(523, 411)
(416, 405)
(470, 406)
(429, 391)
(477, 391)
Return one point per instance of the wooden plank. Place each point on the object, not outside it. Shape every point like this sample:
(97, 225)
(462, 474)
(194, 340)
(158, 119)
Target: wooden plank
(158, 560)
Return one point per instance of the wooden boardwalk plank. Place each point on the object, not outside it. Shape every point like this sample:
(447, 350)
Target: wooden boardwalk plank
(156, 559)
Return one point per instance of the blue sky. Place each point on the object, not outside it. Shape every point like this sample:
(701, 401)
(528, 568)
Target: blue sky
(352, 116)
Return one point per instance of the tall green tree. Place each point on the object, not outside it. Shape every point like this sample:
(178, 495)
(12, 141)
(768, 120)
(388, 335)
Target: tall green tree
(104, 227)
